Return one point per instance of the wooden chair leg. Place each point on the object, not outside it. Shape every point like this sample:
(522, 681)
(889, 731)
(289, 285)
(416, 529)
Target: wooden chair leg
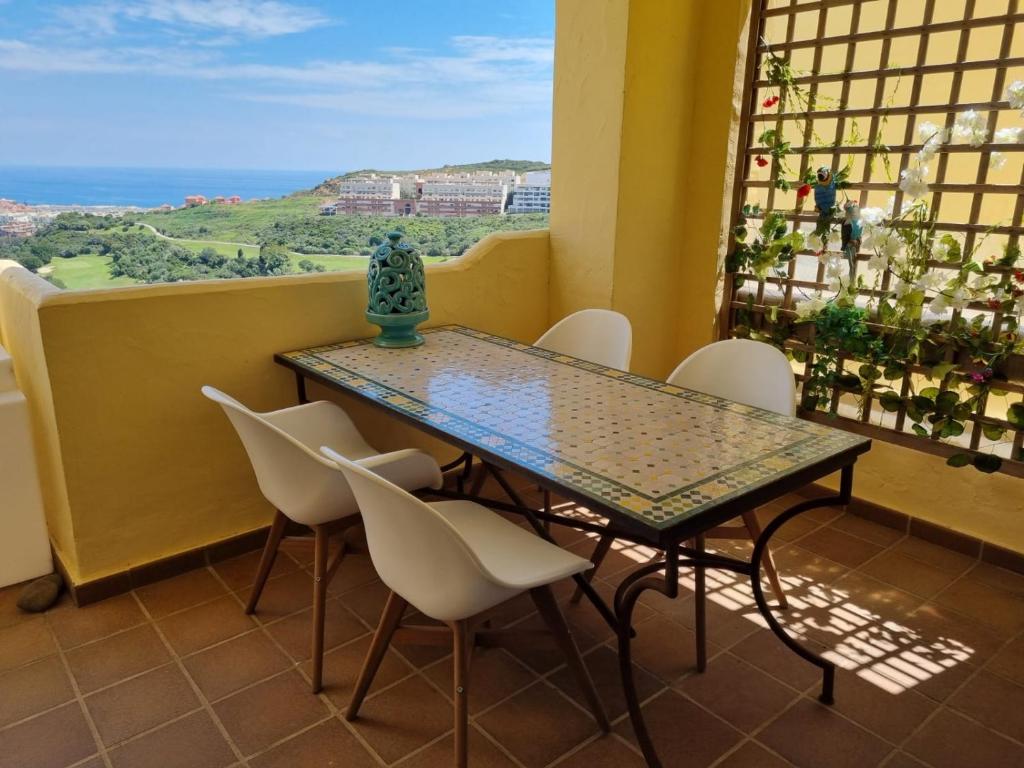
(319, 603)
(462, 648)
(754, 527)
(548, 608)
(389, 620)
(267, 560)
(604, 545)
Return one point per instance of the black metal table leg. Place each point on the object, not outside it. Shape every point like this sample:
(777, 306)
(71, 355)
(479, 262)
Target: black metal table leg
(828, 669)
(700, 608)
(300, 388)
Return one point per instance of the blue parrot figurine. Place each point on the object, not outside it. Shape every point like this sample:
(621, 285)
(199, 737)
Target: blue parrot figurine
(852, 232)
(825, 191)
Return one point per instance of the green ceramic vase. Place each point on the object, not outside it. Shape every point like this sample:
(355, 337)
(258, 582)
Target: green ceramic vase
(397, 293)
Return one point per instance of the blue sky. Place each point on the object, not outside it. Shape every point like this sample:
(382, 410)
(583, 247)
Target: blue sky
(274, 83)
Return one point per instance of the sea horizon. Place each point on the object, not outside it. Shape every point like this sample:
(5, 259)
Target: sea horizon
(146, 187)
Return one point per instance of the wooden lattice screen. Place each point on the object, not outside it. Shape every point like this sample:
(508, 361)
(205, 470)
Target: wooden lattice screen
(877, 69)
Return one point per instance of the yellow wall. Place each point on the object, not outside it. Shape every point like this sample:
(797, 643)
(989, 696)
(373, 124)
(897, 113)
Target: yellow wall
(640, 147)
(151, 467)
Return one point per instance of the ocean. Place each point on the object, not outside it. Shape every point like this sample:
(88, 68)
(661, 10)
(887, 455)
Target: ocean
(145, 187)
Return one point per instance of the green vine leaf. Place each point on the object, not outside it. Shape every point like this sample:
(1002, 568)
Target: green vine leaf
(959, 460)
(1015, 414)
(993, 431)
(987, 463)
(890, 401)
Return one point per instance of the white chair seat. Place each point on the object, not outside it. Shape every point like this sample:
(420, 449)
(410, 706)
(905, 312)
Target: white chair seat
(515, 557)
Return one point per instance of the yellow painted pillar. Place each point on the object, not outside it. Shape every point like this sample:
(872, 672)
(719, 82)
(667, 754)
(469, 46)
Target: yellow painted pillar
(644, 107)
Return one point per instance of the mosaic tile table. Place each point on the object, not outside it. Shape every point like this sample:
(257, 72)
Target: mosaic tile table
(662, 463)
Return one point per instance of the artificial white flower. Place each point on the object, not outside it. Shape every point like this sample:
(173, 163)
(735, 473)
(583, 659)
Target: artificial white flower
(981, 283)
(996, 161)
(940, 250)
(902, 288)
(1015, 94)
(939, 305)
(836, 272)
(913, 181)
(929, 281)
(1010, 136)
(932, 137)
(972, 127)
(835, 238)
(810, 307)
(815, 243)
(872, 217)
(878, 262)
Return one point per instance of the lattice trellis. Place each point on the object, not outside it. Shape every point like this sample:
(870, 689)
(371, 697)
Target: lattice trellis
(876, 69)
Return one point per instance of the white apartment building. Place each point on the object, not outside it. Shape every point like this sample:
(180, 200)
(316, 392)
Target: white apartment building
(533, 195)
(371, 187)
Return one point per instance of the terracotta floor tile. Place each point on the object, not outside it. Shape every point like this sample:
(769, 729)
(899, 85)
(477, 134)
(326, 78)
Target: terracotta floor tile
(882, 599)
(24, 642)
(1002, 579)
(107, 661)
(737, 692)
(30, 689)
(666, 649)
(543, 656)
(892, 714)
(327, 745)
(184, 591)
(367, 602)
(753, 755)
(196, 628)
(32, 743)
(798, 565)
(227, 667)
(482, 753)
(683, 733)
(74, 626)
(791, 530)
(268, 712)
(603, 664)
(403, 718)
(903, 760)
(865, 529)
(538, 725)
(840, 547)
(136, 705)
(284, 595)
(192, 742)
(726, 626)
(511, 611)
(341, 669)
(950, 740)
(355, 571)
(994, 701)
(999, 610)
(953, 563)
(766, 652)
(494, 675)
(295, 632)
(604, 752)
(811, 735)
(1009, 662)
(10, 614)
(908, 573)
(239, 572)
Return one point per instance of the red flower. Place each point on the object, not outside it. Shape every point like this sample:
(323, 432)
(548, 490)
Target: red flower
(770, 102)
(995, 304)
(761, 161)
(1019, 276)
(803, 192)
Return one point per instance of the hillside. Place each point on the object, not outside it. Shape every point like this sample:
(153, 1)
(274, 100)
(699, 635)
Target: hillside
(330, 186)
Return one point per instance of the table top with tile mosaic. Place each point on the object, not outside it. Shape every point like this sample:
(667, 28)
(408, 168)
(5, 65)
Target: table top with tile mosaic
(657, 453)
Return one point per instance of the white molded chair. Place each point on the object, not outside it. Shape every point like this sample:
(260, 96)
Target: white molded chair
(597, 335)
(306, 488)
(752, 373)
(452, 561)
(748, 372)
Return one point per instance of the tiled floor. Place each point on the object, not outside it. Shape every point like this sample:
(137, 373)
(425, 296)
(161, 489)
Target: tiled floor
(930, 644)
